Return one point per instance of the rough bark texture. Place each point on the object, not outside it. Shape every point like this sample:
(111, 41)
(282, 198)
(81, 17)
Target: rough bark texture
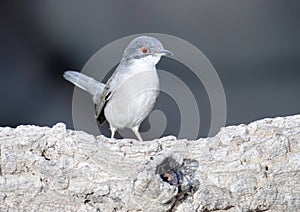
(253, 167)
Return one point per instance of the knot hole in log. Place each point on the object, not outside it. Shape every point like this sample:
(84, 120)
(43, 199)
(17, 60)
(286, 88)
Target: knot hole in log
(180, 175)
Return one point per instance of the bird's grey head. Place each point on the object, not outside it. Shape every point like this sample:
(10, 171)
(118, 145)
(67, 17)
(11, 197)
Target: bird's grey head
(145, 47)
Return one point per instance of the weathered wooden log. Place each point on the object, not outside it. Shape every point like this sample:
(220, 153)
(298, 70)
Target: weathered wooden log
(253, 167)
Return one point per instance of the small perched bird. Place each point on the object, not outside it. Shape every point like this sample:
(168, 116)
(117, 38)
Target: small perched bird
(129, 95)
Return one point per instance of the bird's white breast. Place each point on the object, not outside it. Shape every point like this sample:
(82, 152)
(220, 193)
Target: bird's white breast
(134, 96)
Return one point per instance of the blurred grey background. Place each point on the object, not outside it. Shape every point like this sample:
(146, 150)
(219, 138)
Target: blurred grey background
(254, 46)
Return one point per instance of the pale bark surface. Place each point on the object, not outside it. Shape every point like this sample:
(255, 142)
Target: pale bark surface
(253, 167)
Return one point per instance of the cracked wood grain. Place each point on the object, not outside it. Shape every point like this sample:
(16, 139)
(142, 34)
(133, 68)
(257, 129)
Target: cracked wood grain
(254, 167)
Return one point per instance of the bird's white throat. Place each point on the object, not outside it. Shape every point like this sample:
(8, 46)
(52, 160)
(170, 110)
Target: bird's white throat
(146, 63)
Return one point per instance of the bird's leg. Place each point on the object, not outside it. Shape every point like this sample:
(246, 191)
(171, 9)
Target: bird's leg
(135, 130)
(113, 132)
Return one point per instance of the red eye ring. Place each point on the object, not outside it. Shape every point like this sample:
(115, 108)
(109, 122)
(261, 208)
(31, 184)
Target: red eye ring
(145, 50)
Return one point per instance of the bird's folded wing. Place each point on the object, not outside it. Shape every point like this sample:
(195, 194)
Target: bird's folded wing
(103, 99)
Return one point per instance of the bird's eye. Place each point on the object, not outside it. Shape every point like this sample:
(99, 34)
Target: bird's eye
(145, 50)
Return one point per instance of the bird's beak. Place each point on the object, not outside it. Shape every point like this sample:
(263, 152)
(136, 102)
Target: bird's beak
(165, 52)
